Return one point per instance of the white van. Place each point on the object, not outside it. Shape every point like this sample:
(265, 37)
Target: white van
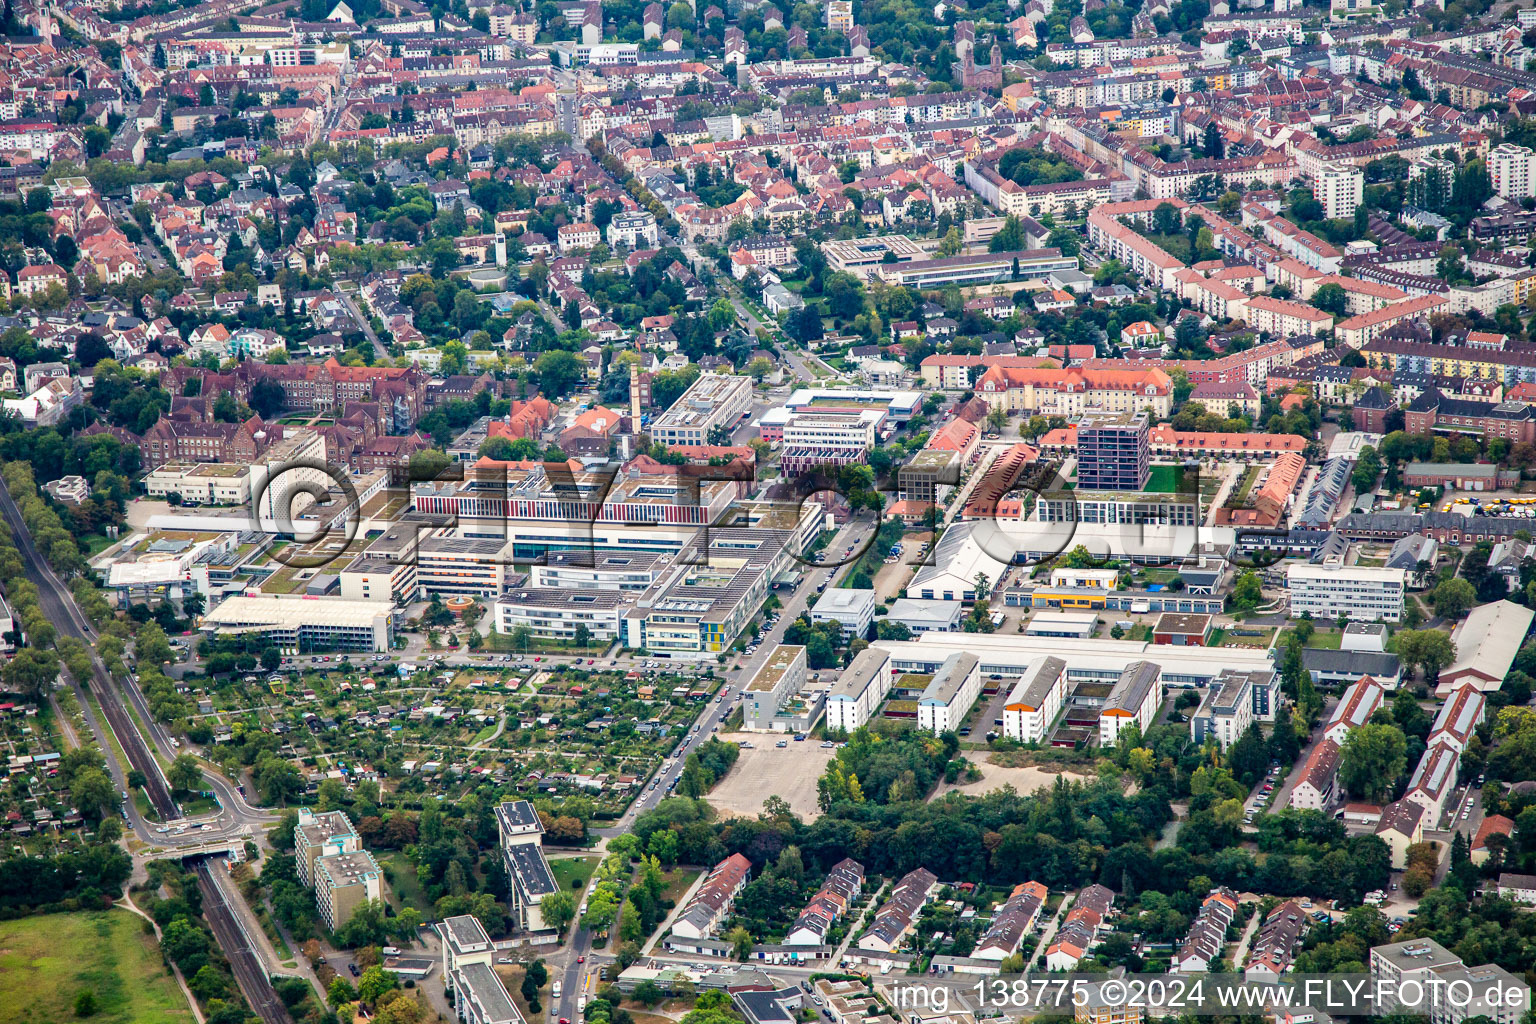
(554, 990)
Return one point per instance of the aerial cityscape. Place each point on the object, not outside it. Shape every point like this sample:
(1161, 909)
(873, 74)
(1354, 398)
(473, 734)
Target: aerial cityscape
(849, 512)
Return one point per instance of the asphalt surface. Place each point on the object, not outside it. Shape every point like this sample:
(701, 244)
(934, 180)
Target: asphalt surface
(59, 605)
(563, 964)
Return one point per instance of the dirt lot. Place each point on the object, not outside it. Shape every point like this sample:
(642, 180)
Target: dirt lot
(790, 772)
(996, 776)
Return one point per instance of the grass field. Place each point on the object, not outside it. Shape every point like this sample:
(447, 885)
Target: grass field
(568, 868)
(403, 886)
(46, 961)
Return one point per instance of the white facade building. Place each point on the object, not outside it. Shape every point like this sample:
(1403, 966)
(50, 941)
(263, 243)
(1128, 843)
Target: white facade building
(852, 609)
(949, 696)
(1340, 190)
(1510, 168)
(1035, 701)
(859, 690)
(1346, 591)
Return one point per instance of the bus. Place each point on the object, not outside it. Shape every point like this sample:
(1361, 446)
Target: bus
(554, 990)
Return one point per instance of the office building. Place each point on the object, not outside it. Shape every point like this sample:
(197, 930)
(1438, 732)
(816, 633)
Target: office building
(853, 610)
(343, 881)
(920, 616)
(557, 613)
(712, 401)
(1335, 591)
(968, 271)
(633, 570)
(701, 602)
(1113, 452)
(298, 624)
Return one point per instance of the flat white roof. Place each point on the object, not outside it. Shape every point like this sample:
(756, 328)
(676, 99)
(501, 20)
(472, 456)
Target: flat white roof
(1018, 651)
(295, 611)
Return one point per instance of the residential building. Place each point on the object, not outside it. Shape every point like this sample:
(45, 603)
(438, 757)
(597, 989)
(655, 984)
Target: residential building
(1354, 709)
(949, 696)
(838, 893)
(1035, 701)
(1433, 780)
(321, 834)
(1520, 888)
(343, 882)
(780, 678)
(1227, 709)
(895, 918)
(1134, 700)
(1011, 922)
(1274, 945)
(1080, 929)
(521, 832)
(1339, 190)
(1207, 935)
(1316, 789)
(1510, 168)
(1401, 825)
(712, 901)
(1113, 452)
(859, 690)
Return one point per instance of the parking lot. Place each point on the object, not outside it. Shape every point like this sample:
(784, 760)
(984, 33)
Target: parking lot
(793, 769)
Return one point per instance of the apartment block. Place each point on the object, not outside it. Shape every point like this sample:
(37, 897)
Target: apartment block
(343, 882)
(1339, 190)
(521, 834)
(1035, 701)
(949, 696)
(859, 690)
(1510, 167)
(321, 834)
(1113, 452)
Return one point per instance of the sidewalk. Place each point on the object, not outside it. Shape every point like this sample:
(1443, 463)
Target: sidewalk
(1247, 937)
(127, 904)
(666, 925)
(854, 924)
(256, 936)
(1049, 931)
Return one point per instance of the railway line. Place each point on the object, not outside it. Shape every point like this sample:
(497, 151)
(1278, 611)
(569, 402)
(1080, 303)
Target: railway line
(60, 607)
